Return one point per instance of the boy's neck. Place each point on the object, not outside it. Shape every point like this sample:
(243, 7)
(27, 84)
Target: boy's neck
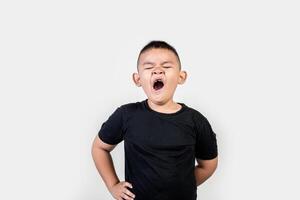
(169, 107)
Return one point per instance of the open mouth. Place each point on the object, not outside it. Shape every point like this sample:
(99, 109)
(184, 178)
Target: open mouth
(158, 84)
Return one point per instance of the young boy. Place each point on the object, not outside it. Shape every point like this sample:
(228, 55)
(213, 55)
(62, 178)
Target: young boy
(162, 138)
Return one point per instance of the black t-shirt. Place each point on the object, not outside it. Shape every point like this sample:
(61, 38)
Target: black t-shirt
(160, 149)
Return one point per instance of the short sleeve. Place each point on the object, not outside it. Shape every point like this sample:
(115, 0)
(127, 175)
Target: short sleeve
(206, 141)
(111, 131)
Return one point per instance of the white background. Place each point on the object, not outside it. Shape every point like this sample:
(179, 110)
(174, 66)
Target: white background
(67, 65)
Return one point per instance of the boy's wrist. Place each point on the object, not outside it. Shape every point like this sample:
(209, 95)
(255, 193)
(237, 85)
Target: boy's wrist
(109, 186)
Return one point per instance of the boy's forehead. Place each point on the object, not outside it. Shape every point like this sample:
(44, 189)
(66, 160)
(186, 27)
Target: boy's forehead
(158, 55)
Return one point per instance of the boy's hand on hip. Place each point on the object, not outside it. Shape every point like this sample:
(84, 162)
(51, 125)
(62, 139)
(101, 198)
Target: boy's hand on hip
(119, 191)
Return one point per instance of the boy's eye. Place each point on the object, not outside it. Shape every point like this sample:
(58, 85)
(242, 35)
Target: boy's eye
(163, 67)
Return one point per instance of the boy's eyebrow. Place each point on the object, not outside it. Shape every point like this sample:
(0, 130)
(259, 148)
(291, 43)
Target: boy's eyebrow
(151, 63)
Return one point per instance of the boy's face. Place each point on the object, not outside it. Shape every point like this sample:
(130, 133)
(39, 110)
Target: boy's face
(158, 74)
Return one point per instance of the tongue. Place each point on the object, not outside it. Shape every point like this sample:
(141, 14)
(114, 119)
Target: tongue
(158, 85)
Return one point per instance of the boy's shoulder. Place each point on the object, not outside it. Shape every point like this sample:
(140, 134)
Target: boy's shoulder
(131, 105)
(196, 114)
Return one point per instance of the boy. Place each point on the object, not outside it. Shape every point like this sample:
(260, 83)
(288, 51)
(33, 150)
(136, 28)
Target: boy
(162, 138)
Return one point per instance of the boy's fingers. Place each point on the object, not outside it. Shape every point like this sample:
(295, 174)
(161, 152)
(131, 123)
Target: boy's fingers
(124, 196)
(127, 184)
(129, 193)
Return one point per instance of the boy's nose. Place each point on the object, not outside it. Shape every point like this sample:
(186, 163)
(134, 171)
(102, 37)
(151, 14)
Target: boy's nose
(158, 71)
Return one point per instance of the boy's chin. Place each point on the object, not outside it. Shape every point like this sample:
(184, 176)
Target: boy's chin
(159, 99)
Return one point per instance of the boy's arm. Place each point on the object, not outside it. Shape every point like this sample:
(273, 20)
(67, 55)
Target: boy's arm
(205, 169)
(103, 161)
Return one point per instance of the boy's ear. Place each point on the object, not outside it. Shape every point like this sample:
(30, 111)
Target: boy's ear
(182, 77)
(136, 79)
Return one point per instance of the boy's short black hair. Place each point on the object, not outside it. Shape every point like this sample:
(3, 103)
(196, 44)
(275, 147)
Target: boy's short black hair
(155, 44)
